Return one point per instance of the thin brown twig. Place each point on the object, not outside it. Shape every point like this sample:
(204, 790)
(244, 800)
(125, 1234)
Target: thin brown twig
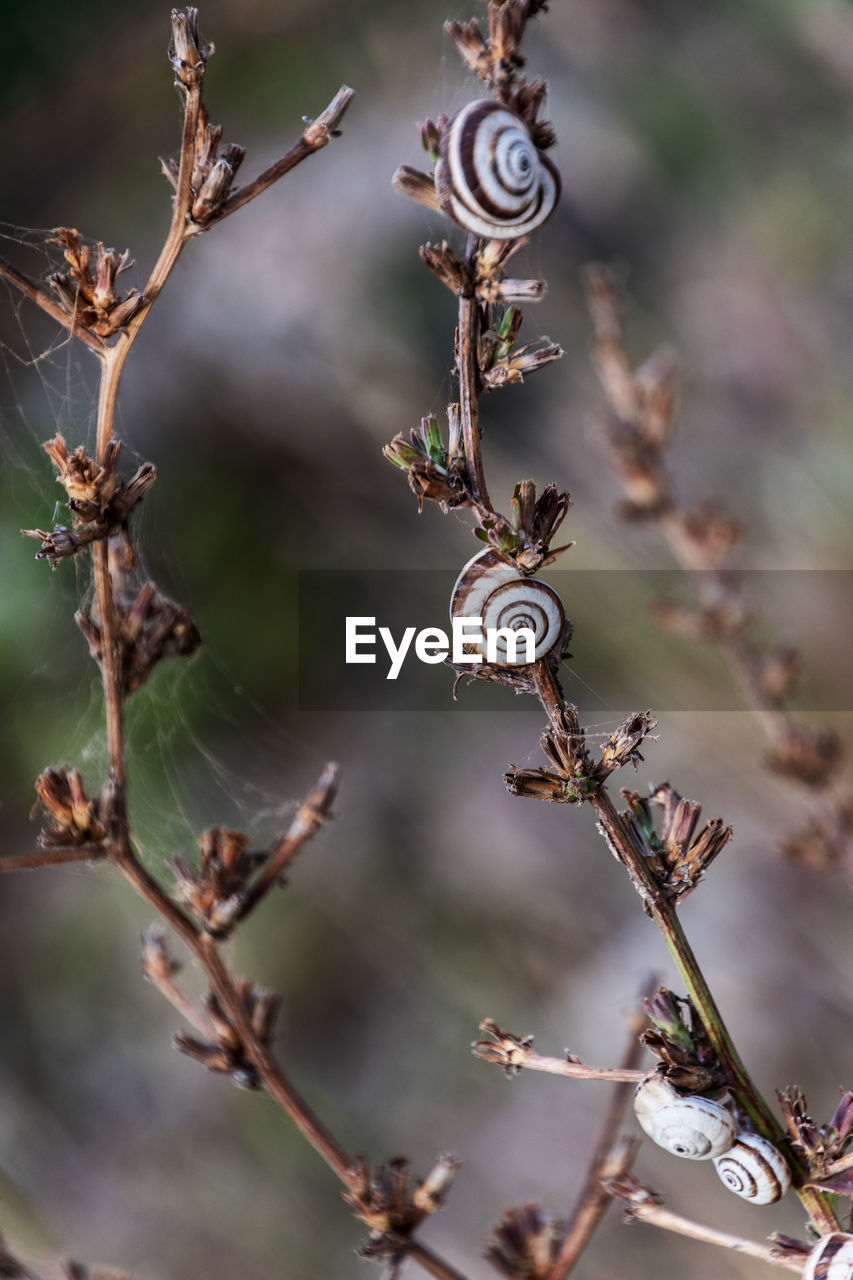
(49, 858)
(317, 135)
(468, 334)
(645, 1206)
(30, 290)
(610, 1158)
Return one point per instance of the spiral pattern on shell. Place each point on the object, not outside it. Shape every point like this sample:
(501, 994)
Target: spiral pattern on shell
(831, 1258)
(691, 1127)
(754, 1169)
(491, 178)
(491, 587)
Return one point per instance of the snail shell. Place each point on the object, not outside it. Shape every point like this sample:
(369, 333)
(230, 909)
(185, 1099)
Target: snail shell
(491, 178)
(754, 1169)
(831, 1258)
(490, 587)
(691, 1127)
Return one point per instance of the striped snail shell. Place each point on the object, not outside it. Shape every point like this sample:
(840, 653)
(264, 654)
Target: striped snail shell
(491, 178)
(754, 1169)
(831, 1258)
(491, 587)
(691, 1127)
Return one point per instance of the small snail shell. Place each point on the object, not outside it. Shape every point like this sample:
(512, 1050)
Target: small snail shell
(491, 178)
(754, 1169)
(691, 1127)
(831, 1258)
(491, 587)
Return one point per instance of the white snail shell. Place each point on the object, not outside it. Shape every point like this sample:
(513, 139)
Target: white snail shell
(831, 1258)
(691, 1127)
(491, 178)
(754, 1169)
(491, 587)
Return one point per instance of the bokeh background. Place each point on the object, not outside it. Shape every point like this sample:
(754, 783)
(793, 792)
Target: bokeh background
(707, 148)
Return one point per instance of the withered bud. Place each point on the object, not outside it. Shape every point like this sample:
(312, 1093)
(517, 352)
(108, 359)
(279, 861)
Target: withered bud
(811, 756)
(711, 623)
(226, 1055)
(75, 820)
(687, 1059)
(433, 472)
(676, 859)
(416, 184)
(212, 893)
(525, 1243)
(656, 388)
(320, 132)
(622, 747)
(506, 1049)
(158, 963)
(89, 485)
(495, 291)
(151, 628)
(60, 542)
(449, 269)
(216, 187)
(470, 42)
(432, 1192)
(188, 54)
(826, 841)
(779, 672)
(525, 360)
(430, 138)
(392, 1203)
(91, 297)
(711, 532)
(540, 784)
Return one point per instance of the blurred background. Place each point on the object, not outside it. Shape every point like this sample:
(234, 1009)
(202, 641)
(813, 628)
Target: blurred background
(706, 148)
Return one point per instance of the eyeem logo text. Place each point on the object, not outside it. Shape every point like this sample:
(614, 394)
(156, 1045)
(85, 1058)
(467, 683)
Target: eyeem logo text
(468, 643)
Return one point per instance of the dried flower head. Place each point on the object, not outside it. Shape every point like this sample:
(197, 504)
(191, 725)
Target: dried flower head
(525, 1243)
(74, 820)
(393, 1203)
(226, 1054)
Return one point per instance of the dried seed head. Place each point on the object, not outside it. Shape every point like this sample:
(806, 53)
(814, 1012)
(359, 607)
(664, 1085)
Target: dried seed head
(525, 1243)
(677, 859)
(811, 756)
(226, 1054)
(392, 1203)
(74, 820)
(151, 628)
(188, 53)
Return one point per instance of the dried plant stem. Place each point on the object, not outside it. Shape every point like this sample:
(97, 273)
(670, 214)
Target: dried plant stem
(41, 299)
(468, 335)
(643, 1206)
(49, 858)
(662, 911)
(318, 133)
(431, 1262)
(611, 1158)
(580, 1070)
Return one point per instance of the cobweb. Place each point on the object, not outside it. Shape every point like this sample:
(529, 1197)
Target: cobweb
(201, 750)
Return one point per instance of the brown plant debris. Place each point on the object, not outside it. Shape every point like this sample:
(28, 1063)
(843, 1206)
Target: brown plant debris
(525, 1243)
(677, 856)
(393, 1203)
(101, 505)
(151, 628)
(823, 1147)
(74, 820)
(214, 893)
(87, 290)
(225, 1054)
